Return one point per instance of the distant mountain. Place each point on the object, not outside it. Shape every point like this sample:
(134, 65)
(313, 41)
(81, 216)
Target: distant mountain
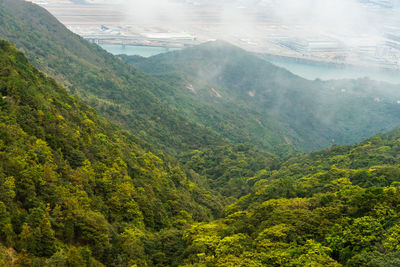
(271, 105)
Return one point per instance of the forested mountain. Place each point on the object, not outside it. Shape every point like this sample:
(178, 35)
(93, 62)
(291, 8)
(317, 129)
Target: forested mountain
(75, 190)
(269, 105)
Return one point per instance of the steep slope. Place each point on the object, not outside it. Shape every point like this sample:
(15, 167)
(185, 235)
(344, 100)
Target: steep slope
(334, 207)
(272, 104)
(147, 107)
(72, 185)
(117, 91)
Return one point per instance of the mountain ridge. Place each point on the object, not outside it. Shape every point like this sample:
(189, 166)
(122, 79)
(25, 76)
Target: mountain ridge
(308, 114)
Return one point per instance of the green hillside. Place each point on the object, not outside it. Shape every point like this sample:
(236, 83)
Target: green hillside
(147, 107)
(269, 105)
(143, 105)
(335, 207)
(203, 96)
(75, 189)
(187, 172)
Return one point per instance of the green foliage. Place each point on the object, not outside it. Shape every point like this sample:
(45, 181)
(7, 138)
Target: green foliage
(329, 208)
(78, 191)
(139, 103)
(74, 187)
(232, 169)
(247, 99)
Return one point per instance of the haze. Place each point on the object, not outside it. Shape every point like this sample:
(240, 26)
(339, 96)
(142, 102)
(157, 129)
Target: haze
(359, 32)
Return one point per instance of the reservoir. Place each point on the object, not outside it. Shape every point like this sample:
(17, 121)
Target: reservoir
(144, 51)
(305, 69)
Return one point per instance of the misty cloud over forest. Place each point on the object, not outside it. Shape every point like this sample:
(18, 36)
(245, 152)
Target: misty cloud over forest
(343, 18)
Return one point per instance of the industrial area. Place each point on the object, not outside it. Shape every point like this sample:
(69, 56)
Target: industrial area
(249, 26)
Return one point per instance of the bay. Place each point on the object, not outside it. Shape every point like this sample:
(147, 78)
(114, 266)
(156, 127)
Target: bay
(327, 71)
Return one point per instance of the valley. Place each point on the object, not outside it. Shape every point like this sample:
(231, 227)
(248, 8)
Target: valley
(203, 155)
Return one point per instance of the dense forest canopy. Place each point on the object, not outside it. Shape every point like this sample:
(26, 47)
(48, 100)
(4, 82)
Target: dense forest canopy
(76, 191)
(74, 186)
(203, 96)
(193, 163)
(122, 94)
(335, 207)
(268, 105)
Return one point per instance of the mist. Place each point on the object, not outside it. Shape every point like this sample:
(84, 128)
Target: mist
(346, 20)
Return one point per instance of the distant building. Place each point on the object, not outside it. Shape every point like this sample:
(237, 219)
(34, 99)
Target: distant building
(313, 45)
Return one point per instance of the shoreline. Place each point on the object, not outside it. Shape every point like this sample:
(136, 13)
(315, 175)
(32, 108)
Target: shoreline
(306, 68)
(324, 63)
(267, 56)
